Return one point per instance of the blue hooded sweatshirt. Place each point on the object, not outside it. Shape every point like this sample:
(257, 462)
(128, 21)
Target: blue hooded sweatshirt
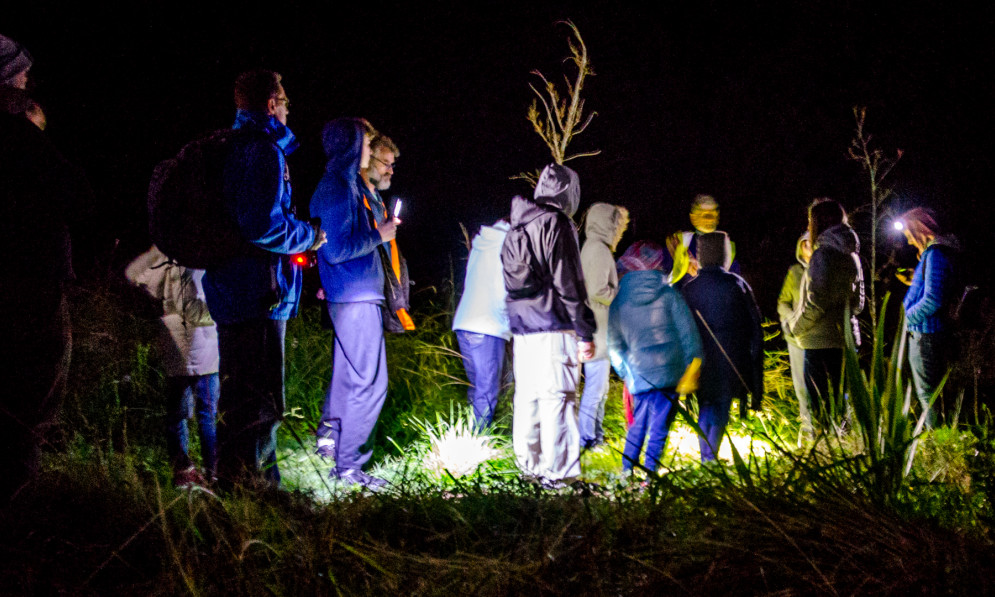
(350, 267)
(257, 190)
(652, 337)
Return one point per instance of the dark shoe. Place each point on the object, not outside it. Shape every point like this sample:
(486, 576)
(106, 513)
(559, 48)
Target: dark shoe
(355, 476)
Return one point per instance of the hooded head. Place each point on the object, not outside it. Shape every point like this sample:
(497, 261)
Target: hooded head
(15, 60)
(803, 249)
(712, 249)
(346, 142)
(559, 187)
(606, 223)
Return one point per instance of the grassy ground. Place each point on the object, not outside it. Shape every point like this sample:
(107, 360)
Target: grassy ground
(790, 519)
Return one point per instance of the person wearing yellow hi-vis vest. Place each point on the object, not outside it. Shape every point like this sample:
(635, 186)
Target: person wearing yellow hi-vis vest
(354, 272)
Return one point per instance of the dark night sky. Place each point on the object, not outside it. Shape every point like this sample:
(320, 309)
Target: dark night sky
(751, 104)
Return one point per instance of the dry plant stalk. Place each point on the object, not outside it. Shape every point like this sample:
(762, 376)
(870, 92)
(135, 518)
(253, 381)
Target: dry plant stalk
(878, 166)
(562, 117)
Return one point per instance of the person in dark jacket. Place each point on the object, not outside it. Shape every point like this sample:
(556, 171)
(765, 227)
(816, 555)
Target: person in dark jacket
(251, 296)
(352, 274)
(729, 324)
(787, 302)
(655, 348)
(552, 325)
(928, 304)
(40, 193)
(831, 296)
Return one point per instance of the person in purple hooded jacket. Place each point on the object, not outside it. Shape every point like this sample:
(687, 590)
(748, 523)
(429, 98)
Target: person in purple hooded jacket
(552, 325)
(352, 275)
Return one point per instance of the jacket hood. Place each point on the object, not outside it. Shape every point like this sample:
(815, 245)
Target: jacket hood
(279, 132)
(841, 238)
(342, 140)
(602, 223)
(559, 187)
(644, 286)
(525, 210)
(798, 249)
(491, 237)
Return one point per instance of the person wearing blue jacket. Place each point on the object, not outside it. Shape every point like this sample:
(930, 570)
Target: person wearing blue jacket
(655, 348)
(728, 320)
(352, 274)
(252, 295)
(928, 304)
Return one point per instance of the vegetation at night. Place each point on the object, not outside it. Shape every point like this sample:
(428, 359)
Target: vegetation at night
(842, 515)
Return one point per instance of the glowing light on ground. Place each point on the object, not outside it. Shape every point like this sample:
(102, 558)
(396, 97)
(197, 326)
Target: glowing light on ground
(684, 441)
(459, 451)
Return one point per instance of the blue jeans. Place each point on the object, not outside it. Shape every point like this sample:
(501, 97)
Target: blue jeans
(483, 359)
(654, 413)
(592, 402)
(182, 393)
(252, 399)
(713, 416)
(928, 361)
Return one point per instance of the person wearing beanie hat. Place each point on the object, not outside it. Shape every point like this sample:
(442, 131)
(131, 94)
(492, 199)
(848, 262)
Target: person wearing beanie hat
(728, 320)
(787, 302)
(683, 246)
(42, 197)
(552, 325)
(933, 291)
(15, 62)
(604, 225)
(655, 348)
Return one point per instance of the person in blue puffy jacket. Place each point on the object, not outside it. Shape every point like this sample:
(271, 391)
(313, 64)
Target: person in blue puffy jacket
(928, 304)
(655, 348)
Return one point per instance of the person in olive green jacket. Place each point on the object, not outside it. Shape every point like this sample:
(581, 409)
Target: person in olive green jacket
(603, 227)
(787, 302)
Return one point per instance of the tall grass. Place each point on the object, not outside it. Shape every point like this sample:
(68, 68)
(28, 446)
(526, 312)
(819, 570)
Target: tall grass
(842, 517)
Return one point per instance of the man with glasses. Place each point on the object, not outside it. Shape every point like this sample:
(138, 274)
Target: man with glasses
(253, 294)
(378, 174)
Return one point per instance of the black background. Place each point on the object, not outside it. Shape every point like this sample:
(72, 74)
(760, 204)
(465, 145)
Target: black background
(751, 103)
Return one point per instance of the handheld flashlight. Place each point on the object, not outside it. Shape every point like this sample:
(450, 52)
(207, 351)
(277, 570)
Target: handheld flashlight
(397, 208)
(898, 225)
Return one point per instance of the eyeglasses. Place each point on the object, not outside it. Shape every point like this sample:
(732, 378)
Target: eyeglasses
(387, 165)
(285, 101)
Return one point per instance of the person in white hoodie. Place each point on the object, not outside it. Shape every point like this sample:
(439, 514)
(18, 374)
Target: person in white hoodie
(188, 341)
(604, 225)
(481, 321)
